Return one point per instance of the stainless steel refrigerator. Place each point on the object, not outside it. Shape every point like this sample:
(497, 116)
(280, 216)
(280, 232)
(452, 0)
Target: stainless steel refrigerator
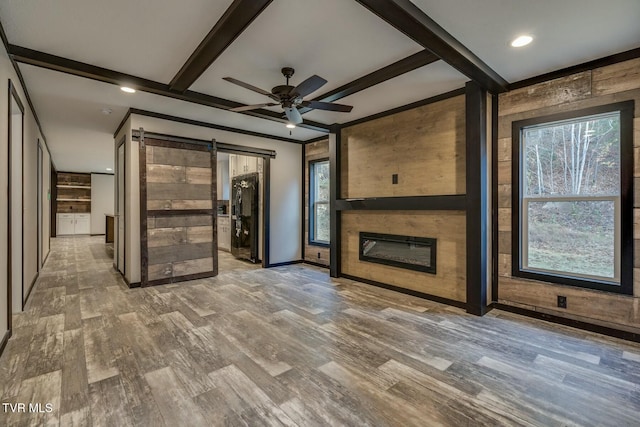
(244, 216)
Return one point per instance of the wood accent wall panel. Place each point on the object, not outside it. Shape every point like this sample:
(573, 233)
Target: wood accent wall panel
(601, 86)
(180, 244)
(314, 151)
(70, 199)
(448, 227)
(425, 146)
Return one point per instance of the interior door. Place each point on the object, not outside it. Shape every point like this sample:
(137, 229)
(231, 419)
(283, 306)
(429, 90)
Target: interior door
(178, 193)
(39, 206)
(119, 214)
(17, 218)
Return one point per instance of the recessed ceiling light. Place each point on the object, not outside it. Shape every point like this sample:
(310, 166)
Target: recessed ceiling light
(107, 111)
(109, 169)
(127, 89)
(291, 126)
(521, 41)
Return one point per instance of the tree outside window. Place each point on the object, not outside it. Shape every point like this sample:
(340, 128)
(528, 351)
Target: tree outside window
(319, 218)
(570, 208)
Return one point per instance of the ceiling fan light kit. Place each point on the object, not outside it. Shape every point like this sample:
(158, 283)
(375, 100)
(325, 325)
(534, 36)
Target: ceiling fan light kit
(290, 97)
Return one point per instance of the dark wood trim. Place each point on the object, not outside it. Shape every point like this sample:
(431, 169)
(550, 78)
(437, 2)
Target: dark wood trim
(626, 109)
(179, 279)
(6, 44)
(39, 210)
(415, 24)
(410, 63)
(405, 291)
(53, 205)
(335, 250)
(421, 203)
(201, 124)
(121, 217)
(233, 22)
(76, 68)
(421, 103)
(315, 264)
(181, 212)
(179, 145)
(144, 249)
(477, 198)
(578, 324)
(585, 66)
(266, 212)
(303, 202)
(221, 146)
(5, 340)
(317, 139)
(285, 263)
(214, 205)
(13, 94)
(33, 283)
(494, 198)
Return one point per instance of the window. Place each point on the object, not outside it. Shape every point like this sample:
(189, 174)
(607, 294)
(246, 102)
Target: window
(319, 215)
(572, 198)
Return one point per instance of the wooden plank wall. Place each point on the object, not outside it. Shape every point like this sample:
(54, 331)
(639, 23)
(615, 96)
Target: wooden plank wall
(601, 86)
(448, 227)
(180, 244)
(425, 146)
(78, 205)
(314, 151)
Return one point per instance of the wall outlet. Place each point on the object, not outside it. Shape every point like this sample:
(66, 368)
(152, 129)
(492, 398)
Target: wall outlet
(318, 255)
(562, 301)
(394, 178)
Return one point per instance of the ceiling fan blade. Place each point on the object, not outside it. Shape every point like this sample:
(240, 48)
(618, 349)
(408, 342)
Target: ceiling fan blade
(251, 88)
(293, 115)
(312, 84)
(252, 107)
(318, 105)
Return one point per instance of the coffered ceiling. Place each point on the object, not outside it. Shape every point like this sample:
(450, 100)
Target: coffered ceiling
(340, 40)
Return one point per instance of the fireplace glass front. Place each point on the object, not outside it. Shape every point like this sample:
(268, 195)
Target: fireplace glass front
(413, 253)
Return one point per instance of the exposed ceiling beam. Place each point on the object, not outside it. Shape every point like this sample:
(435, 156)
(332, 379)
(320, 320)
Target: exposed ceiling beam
(234, 21)
(396, 69)
(413, 22)
(76, 68)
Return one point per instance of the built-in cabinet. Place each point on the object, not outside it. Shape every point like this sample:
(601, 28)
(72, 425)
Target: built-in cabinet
(240, 165)
(224, 233)
(73, 203)
(76, 223)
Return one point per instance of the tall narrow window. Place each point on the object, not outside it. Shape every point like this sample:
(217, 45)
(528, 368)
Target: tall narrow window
(573, 198)
(319, 215)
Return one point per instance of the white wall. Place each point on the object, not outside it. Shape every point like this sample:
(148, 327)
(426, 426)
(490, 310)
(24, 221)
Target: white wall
(286, 186)
(102, 201)
(31, 135)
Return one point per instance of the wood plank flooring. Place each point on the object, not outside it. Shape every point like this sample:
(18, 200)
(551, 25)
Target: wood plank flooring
(289, 346)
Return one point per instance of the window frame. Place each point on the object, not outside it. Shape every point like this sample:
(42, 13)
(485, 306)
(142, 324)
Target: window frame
(624, 244)
(312, 204)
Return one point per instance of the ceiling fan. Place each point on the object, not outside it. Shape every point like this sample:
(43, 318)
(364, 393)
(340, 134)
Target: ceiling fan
(291, 97)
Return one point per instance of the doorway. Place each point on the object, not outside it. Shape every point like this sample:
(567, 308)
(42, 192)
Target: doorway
(240, 211)
(16, 218)
(120, 222)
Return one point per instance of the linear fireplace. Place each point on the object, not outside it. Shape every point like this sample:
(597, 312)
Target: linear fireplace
(413, 253)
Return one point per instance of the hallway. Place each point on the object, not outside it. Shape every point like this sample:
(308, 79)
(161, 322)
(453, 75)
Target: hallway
(289, 346)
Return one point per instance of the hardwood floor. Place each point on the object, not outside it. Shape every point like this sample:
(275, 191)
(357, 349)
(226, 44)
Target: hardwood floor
(289, 346)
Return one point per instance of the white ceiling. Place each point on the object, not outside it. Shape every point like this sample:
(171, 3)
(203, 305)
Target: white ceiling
(80, 137)
(145, 38)
(337, 39)
(566, 32)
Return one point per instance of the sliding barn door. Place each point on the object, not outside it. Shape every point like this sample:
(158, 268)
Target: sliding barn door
(177, 211)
